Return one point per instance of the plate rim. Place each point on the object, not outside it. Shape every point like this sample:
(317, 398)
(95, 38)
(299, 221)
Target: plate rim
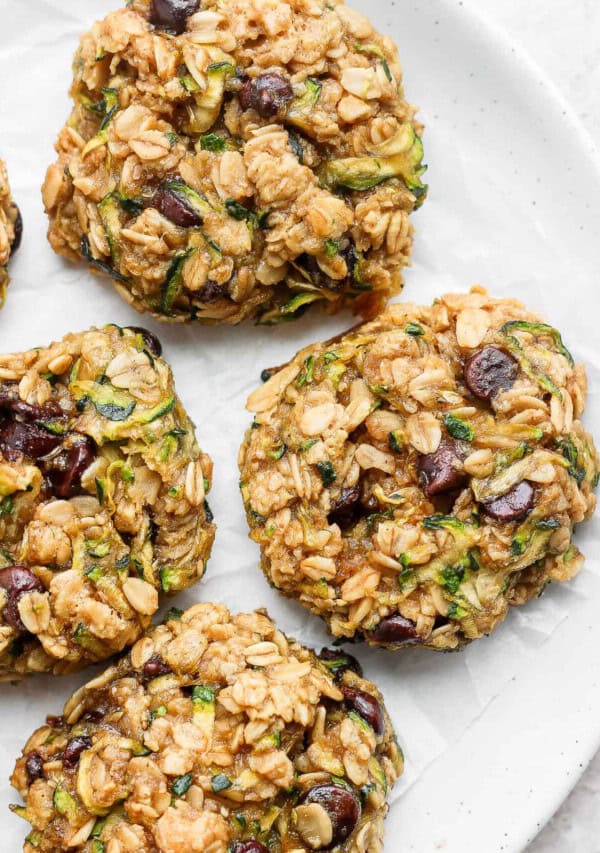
(532, 824)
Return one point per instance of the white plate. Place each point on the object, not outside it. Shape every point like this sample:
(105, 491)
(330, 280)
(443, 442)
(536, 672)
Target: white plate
(495, 736)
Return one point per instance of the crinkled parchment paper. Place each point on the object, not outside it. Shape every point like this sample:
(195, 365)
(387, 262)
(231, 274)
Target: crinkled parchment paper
(501, 212)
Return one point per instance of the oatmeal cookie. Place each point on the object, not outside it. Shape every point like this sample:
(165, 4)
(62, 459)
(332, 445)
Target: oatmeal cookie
(215, 734)
(11, 229)
(243, 158)
(102, 498)
(413, 479)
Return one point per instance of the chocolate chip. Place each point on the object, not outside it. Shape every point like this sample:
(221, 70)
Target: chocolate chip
(366, 706)
(18, 226)
(395, 630)
(172, 15)
(49, 411)
(344, 507)
(174, 207)
(338, 662)
(155, 667)
(34, 766)
(73, 750)
(512, 506)
(14, 407)
(212, 291)
(94, 716)
(320, 279)
(19, 432)
(151, 341)
(267, 94)
(370, 503)
(489, 371)
(17, 580)
(341, 805)
(441, 471)
(67, 466)
(249, 847)
(24, 439)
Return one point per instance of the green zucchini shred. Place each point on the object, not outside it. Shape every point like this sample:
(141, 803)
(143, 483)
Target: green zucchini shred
(326, 472)
(514, 346)
(331, 248)
(444, 522)
(101, 266)
(363, 173)
(212, 142)
(459, 428)
(173, 283)
(220, 782)
(539, 329)
(207, 104)
(307, 375)
(300, 108)
(182, 784)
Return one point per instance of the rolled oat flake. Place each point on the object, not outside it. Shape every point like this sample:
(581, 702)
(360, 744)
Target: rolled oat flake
(411, 480)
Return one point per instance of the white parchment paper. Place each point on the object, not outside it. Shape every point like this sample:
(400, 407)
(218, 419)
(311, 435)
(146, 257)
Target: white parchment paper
(512, 206)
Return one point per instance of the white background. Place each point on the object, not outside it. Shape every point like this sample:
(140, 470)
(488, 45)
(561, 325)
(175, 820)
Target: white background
(563, 37)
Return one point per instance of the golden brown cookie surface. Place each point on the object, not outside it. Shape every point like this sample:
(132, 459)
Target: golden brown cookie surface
(413, 479)
(102, 498)
(216, 733)
(11, 229)
(246, 159)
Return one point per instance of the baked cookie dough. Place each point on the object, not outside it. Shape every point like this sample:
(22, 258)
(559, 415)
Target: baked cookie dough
(215, 734)
(413, 479)
(11, 229)
(238, 158)
(102, 498)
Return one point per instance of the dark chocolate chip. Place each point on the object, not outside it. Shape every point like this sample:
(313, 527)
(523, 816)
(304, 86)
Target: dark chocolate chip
(344, 507)
(249, 847)
(490, 370)
(441, 471)
(366, 706)
(338, 662)
(512, 506)
(341, 805)
(94, 716)
(34, 766)
(18, 225)
(267, 94)
(395, 630)
(172, 15)
(16, 581)
(155, 667)
(23, 439)
(28, 412)
(211, 292)
(174, 207)
(151, 341)
(73, 750)
(68, 466)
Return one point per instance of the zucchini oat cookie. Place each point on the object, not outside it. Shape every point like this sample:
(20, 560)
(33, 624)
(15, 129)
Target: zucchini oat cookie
(215, 734)
(238, 158)
(102, 498)
(11, 229)
(413, 479)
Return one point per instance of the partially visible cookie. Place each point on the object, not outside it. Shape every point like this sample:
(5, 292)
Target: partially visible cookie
(413, 479)
(11, 229)
(215, 734)
(237, 159)
(102, 498)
